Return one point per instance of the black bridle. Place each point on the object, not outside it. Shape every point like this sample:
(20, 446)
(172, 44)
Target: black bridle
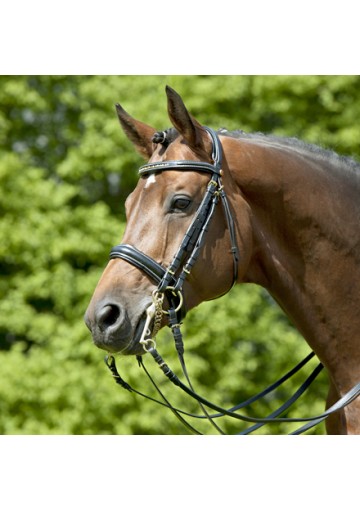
(170, 282)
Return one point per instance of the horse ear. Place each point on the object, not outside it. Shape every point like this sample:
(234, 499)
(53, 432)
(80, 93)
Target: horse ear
(184, 122)
(138, 133)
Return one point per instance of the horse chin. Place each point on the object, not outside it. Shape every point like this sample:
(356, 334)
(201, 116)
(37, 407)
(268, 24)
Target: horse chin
(112, 344)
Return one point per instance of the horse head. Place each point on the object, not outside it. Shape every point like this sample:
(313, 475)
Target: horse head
(159, 211)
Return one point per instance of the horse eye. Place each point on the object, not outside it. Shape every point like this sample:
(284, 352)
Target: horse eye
(180, 203)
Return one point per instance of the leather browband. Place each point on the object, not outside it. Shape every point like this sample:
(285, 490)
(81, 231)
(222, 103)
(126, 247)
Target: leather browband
(158, 166)
(201, 166)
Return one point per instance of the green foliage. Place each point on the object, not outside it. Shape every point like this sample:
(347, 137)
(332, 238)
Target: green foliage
(65, 171)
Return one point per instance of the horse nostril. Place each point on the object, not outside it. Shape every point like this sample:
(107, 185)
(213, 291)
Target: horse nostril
(108, 316)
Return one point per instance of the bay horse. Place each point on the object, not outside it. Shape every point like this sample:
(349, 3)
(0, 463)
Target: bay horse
(294, 212)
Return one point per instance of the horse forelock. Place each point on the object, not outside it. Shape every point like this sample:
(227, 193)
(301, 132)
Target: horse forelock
(165, 137)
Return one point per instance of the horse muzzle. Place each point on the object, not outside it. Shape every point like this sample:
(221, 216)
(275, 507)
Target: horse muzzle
(119, 325)
(112, 330)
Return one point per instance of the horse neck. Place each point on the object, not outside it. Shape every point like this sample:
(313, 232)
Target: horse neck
(304, 220)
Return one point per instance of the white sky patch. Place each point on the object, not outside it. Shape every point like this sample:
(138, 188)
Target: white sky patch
(150, 180)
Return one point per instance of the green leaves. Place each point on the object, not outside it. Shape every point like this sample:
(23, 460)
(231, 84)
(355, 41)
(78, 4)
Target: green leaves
(65, 171)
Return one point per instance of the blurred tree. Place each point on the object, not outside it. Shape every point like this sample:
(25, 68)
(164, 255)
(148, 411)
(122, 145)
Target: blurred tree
(65, 171)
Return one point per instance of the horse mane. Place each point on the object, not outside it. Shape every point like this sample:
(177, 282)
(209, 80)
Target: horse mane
(327, 155)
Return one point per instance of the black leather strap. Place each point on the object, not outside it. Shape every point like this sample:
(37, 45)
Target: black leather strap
(159, 166)
(344, 401)
(193, 238)
(200, 166)
(153, 269)
(191, 244)
(137, 258)
(230, 222)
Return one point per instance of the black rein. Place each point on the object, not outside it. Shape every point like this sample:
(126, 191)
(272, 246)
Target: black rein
(170, 281)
